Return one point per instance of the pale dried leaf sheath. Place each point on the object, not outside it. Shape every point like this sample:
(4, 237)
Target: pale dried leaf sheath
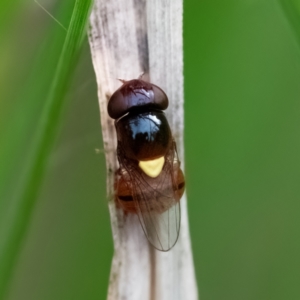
(126, 39)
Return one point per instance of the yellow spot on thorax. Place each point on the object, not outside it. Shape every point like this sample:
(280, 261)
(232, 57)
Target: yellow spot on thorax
(152, 167)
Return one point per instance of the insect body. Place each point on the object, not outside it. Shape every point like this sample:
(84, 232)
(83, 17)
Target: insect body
(149, 182)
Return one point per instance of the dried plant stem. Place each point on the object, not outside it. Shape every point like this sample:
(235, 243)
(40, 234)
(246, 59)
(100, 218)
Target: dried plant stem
(128, 38)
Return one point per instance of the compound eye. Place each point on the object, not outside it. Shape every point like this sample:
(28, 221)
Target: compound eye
(136, 95)
(160, 97)
(115, 107)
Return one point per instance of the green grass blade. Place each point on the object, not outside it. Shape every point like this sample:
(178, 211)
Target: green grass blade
(35, 163)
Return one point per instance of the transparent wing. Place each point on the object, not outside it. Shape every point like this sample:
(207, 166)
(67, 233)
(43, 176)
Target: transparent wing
(159, 215)
(157, 203)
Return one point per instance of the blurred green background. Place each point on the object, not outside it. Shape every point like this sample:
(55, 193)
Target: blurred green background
(242, 139)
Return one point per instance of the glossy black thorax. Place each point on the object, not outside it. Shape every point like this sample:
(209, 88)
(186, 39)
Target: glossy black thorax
(144, 135)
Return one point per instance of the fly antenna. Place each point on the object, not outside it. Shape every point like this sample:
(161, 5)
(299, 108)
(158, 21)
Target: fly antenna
(141, 75)
(49, 14)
